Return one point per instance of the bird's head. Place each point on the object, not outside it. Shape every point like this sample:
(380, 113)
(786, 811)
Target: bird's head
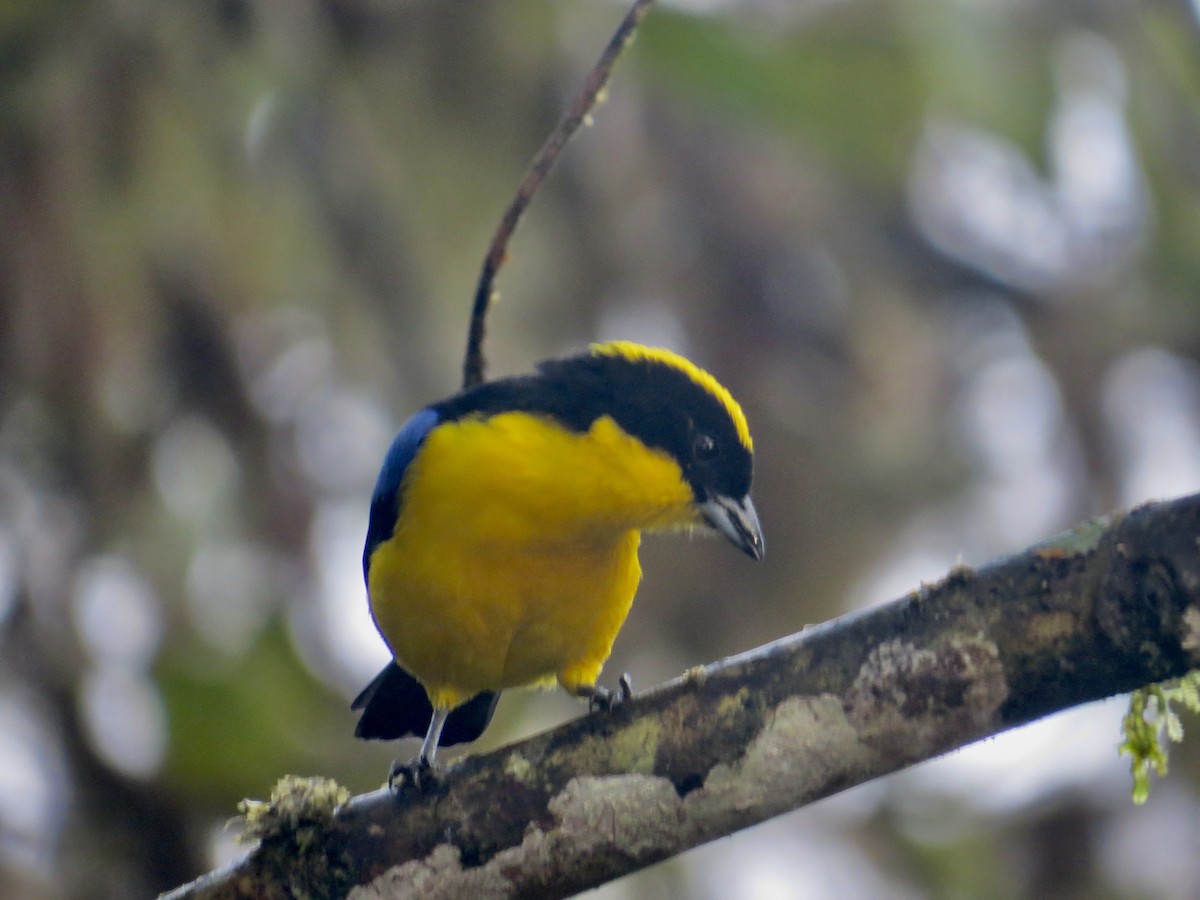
(668, 403)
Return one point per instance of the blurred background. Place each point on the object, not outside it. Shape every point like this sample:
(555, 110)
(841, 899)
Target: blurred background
(945, 252)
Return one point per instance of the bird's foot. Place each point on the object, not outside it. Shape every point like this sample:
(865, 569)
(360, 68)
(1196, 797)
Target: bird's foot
(417, 774)
(601, 698)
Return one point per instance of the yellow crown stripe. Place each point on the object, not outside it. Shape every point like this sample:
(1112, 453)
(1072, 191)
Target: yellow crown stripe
(632, 351)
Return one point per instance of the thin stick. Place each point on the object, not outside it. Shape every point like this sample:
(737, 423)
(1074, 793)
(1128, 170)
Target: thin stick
(474, 362)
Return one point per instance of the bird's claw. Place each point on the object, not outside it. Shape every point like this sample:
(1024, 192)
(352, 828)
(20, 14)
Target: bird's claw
(601, 698)
(416, 774)
(625, 686)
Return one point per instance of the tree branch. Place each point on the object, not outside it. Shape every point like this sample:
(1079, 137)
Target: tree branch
(497, 254)
(1107, 607)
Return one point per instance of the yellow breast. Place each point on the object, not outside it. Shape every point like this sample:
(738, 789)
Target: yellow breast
(514, 560)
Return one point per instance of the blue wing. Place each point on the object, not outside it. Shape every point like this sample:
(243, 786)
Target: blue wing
(385, 501)
(395, 704)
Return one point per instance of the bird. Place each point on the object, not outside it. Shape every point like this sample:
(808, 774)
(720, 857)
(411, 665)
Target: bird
(503, 533)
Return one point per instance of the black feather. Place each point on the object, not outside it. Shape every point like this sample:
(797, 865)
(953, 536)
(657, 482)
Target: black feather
(395, 705)
(655, 402)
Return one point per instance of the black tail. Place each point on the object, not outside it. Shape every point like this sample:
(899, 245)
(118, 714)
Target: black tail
(395, 705)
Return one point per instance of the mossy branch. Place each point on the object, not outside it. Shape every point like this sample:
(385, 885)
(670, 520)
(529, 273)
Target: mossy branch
(1105, 608)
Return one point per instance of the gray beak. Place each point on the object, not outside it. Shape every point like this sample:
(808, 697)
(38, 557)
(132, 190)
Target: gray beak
(737, 520)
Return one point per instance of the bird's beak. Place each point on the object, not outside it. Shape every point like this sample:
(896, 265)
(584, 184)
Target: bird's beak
(737, 520)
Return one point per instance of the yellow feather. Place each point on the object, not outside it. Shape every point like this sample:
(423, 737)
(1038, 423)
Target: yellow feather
(515, 558)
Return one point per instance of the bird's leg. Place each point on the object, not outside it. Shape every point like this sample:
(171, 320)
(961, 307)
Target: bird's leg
(420, 772)
(601, 698)
(430, 744)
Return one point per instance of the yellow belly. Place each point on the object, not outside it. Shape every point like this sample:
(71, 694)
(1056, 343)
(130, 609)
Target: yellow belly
(515, 558)
(509, 617)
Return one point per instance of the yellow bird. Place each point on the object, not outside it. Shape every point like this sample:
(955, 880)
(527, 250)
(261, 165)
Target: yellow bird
(504, 528)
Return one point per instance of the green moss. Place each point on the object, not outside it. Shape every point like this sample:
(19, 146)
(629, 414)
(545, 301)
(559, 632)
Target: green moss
(635, 747)
(732, 705)
(1149, 715)
(518, 767)
(298, 808)
(292, 830)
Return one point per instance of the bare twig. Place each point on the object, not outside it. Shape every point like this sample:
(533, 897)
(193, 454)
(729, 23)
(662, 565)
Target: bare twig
(589, 95)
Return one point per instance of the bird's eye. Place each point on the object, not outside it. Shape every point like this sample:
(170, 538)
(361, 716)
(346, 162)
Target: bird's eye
(705, 449)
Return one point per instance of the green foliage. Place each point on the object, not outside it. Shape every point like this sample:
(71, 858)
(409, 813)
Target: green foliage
(265, 708)
(1149, 714)
(839, 89)
(856, 92)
